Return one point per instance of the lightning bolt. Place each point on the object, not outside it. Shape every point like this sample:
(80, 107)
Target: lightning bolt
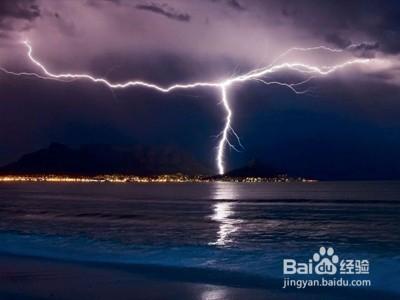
(224, 137)
(257, 75)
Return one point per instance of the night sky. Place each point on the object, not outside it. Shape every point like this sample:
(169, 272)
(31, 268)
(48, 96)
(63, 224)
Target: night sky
(346, 126)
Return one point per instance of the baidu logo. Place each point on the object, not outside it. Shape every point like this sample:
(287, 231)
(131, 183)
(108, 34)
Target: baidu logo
(325, 262)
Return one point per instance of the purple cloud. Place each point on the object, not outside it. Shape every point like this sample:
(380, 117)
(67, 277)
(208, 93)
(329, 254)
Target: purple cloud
(164, 10)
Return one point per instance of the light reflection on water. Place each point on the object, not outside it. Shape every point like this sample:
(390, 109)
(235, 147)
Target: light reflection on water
(225, 191)
(224, 214)
(214, 293)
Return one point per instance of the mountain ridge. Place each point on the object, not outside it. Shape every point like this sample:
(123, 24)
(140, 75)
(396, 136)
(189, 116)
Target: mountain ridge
(95, 159)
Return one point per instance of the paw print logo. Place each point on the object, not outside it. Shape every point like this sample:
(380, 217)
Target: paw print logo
(326, 261)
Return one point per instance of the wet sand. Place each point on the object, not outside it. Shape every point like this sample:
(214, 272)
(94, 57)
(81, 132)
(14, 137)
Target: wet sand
(30, 278)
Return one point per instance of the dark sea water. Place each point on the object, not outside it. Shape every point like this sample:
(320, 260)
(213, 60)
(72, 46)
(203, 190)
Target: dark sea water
(245, 228)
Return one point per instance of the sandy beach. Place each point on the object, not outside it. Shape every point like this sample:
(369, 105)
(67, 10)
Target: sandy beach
(29, 278)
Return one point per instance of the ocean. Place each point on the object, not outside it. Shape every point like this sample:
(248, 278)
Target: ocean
(242, 228)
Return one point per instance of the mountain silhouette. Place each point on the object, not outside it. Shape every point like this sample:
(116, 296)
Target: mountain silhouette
(106, 159)
(254, 168)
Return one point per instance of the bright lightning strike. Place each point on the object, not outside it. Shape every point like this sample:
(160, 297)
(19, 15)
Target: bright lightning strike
(258, 75)
(224, 138)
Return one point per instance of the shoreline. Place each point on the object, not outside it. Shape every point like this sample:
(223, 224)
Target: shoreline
(29, 277)
(120, 178)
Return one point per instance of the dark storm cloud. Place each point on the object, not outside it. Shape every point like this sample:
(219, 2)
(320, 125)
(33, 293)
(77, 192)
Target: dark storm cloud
(11, 10)
(366, 50)
(145, 39)
(165, 10)
(236, 4)
(340, 22)
(97, 3)
(114, 1)
(337, 40)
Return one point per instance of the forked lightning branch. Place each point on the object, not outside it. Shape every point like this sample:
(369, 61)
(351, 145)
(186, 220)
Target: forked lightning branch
(259, 75)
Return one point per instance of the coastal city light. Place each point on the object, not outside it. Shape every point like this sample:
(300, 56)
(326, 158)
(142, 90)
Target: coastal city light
(117, 178)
